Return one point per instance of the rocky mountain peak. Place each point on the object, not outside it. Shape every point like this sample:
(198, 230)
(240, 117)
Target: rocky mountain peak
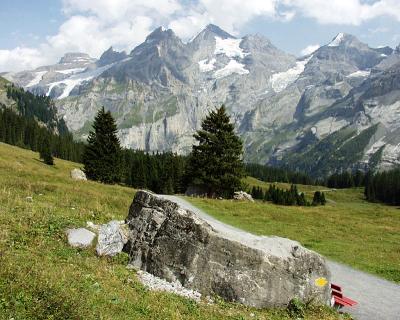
(160, 34)
(386, 50)
(397, 50)
(216, 31)
(256, 41)
(75, 57)
(345, 40)
(209, 33)
(111, 56)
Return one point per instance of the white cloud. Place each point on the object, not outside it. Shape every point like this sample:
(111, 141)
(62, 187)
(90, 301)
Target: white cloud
(348, 12)
(309, 49)
(230, 15)
(20, 59)
(92, 26)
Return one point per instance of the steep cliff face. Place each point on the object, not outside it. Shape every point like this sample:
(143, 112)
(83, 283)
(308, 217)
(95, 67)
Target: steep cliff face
(161, 91)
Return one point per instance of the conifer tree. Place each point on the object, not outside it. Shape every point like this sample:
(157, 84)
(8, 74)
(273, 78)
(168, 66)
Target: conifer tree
(317, 198)
(215, 164)
(323, 200)
(103, 157)
(45, 151)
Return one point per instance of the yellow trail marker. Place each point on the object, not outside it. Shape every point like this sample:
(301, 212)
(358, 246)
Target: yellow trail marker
(321, 282)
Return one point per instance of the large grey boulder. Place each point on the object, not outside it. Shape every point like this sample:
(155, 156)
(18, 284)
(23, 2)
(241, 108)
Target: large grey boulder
(78, 174)
(80, 238)
(176, 245)
(112, 238)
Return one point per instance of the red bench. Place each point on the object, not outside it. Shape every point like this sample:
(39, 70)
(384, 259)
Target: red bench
(339, 299)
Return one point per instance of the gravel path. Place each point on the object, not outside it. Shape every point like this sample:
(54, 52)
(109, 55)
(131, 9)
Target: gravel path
(377, 298)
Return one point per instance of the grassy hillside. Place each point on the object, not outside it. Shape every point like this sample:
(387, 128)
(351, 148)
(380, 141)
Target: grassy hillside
(41, 277)
(348, 229)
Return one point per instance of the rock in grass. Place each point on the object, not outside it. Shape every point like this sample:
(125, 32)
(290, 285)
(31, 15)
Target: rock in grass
(112, 238)
(80, 238)
(242, 196)
(78, 174)
(154, 283)
(177, 245)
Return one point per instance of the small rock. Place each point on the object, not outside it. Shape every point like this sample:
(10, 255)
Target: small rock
(78, 174)
(157, 284)
(80, 238)
(29, 199)
(92, 226)
(112, 238)
(242, 196)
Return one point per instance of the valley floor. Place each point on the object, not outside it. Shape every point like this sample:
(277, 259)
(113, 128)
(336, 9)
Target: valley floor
(41, 277)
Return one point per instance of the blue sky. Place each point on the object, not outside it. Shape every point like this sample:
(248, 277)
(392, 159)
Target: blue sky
(38, 32)
(25, 22)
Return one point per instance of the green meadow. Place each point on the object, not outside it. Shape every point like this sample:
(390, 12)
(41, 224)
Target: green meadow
(42, 277)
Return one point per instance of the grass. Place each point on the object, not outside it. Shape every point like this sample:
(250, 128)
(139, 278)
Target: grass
(41, 277)
(347, 229)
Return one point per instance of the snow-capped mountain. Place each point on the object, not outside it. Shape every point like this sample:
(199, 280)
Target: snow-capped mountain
(345, 93)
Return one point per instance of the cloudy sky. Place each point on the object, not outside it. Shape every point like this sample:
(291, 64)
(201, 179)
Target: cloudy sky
(34, 33)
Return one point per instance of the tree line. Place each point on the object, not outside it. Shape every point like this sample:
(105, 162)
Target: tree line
(342, 180)
(273, 174)
(215, 166)
(383, 187)
(162, 173)
(346, 180)
(25, 132)
(39, 107)
(287, 197)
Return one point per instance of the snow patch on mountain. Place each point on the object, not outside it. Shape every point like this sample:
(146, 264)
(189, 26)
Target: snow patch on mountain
(232, 67)
(75, 80)
(337, 41)
(71, 71)
(281, 80)
(207, 65)
(229, 47)
(38, 77)
(359, 74)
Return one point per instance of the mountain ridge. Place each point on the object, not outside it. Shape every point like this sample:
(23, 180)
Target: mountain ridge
(161, 91)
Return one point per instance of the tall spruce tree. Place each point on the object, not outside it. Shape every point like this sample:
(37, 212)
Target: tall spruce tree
(45, 151)
(215, 165)
(103, 155)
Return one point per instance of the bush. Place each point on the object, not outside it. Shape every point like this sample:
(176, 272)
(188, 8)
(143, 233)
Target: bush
(296, 309)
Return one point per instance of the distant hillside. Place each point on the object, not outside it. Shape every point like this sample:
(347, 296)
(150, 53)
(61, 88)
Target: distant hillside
(26, 120)
(38, 107)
